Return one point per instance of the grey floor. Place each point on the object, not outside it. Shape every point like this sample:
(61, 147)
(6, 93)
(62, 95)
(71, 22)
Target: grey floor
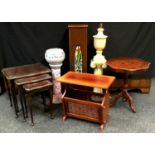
(122, 120)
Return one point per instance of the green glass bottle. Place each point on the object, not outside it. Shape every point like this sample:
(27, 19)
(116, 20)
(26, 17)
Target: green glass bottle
(78, 59)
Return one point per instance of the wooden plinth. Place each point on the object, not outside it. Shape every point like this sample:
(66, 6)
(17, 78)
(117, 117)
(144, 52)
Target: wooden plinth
(143, 85)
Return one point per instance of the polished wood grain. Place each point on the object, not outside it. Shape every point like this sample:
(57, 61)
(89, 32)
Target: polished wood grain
(32, 88)
(82, 104)
(28, 80)
(33, 79)
(37, 85)
(10, 74)
(142, 84)
(87, 79)
(25, 71)
(127, 66)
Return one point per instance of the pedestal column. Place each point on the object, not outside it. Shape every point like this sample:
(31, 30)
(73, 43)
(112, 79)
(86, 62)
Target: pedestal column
(98, 63)
(55, 58)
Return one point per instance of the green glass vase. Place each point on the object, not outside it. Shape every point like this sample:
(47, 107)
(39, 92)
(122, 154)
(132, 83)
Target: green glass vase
(78, 59)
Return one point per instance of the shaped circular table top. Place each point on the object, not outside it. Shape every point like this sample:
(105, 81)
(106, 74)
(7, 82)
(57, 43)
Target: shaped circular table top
(128, 64)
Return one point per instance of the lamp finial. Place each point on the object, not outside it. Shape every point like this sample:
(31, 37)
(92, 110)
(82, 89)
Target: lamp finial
(101, 25)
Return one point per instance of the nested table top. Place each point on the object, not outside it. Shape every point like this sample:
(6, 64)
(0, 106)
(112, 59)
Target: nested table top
(128, 64)
(25, 71)
(87, 79)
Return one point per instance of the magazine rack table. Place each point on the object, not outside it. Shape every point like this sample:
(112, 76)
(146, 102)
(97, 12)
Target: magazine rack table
(84, 104)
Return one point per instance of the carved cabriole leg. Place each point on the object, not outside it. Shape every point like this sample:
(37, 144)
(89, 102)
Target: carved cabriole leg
(130, 101)
(116, 99)
(125, 97)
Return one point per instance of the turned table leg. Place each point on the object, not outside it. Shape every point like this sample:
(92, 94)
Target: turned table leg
(125, 95)
(129, 99)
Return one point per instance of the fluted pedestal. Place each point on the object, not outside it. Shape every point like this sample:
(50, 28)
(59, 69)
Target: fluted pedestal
(55, 58)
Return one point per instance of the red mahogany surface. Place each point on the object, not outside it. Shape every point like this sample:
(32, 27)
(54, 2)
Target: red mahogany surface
(87, 79)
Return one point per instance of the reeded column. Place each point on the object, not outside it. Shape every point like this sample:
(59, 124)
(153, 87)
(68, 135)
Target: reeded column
(55, 58)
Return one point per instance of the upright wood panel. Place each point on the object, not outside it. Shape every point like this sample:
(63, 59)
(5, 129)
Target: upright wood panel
(78, 36)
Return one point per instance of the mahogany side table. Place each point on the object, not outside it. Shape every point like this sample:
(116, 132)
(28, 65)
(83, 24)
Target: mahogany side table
(127, 66)
(83, 104)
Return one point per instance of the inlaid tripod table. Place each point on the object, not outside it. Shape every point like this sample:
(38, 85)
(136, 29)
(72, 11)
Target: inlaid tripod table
(127, 66)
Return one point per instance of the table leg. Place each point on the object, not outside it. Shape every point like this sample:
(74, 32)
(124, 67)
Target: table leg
(125, 95)
(129, 99)
(116, 99)
(21, 101)
(8, 89)
(25, 105)
(30, 107)
(13, 92)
